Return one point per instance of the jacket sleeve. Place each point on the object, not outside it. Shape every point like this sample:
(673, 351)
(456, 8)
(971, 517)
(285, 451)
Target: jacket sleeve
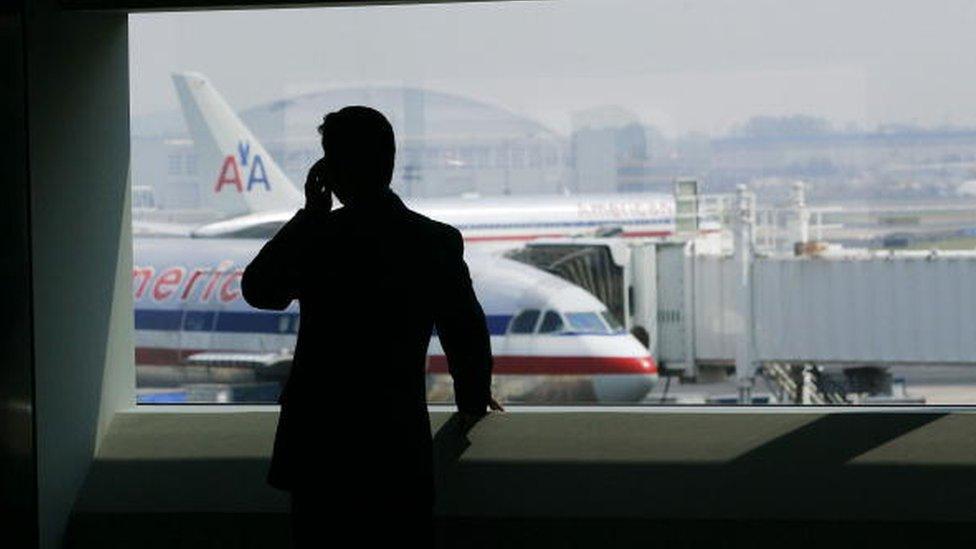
(463, 332)
(271, 280)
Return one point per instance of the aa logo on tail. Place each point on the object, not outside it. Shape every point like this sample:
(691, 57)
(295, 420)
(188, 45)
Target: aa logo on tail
(233, 166)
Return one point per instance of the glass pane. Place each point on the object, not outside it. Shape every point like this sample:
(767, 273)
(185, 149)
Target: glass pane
(601, 166)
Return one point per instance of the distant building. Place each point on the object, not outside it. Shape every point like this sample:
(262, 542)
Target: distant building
(611, 152)
(450, 145)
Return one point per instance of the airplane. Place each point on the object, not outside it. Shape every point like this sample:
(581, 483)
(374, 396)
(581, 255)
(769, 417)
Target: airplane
(552, 341)
(258, 198)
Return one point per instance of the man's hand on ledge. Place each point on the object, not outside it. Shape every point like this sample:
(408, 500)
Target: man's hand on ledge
(469, 420)
(494, 406)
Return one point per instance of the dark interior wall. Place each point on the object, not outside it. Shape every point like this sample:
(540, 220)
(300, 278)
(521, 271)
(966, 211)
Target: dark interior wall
(18, 506)
(78, 131)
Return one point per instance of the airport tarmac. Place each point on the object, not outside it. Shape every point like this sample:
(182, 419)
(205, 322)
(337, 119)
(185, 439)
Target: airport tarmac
(937, 385)
(932, 385)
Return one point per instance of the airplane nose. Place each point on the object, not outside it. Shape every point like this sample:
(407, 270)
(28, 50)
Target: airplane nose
(647, 363)
(623, 388)
(635, 382)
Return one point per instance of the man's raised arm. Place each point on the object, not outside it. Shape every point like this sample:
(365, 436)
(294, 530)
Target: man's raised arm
(463, 332)
(272, 278)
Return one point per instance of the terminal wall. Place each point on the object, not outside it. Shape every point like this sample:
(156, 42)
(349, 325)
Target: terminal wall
(77, 82)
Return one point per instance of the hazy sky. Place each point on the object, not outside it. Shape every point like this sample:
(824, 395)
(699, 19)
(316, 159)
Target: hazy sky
(685, 66)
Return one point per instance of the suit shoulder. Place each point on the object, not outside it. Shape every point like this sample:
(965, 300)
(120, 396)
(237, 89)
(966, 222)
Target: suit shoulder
(435, 229)
(337, 216)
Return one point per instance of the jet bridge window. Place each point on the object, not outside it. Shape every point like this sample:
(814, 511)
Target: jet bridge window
(551, 323)
(524, 322)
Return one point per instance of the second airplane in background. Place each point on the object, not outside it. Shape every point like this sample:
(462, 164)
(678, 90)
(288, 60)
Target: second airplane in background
(255, 196)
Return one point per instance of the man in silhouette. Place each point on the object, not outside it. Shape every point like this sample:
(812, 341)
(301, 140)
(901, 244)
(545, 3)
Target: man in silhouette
(373, 278)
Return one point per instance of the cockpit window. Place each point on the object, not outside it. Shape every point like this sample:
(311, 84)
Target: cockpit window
(586, 323)
(524, 322)
(551, 323)
(611, 320)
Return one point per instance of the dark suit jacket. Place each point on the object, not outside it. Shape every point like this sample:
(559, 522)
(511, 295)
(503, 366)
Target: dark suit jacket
(372, 281)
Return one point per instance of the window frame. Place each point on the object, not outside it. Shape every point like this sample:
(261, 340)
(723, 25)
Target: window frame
(508, 155)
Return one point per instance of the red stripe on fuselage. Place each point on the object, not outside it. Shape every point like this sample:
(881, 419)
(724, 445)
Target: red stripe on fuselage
(523, 237)
(558, 365)
(644, 234)
(437, 364)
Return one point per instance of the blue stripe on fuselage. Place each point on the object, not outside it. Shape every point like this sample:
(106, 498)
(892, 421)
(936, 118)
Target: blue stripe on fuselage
(261, 322)
(246, 322)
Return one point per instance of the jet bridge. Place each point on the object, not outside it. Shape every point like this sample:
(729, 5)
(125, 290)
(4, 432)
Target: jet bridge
(705, 305)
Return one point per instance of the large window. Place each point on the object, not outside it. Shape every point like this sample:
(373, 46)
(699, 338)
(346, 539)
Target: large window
(662, 202)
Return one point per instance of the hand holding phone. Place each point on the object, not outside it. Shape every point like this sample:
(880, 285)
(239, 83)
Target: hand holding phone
(318, 193)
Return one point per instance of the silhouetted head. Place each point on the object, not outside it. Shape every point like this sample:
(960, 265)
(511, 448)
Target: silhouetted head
(359, 150)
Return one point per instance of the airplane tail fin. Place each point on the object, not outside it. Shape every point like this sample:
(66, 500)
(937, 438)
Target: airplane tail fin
(238, 174)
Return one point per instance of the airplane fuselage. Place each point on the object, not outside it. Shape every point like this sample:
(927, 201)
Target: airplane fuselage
(188, 301)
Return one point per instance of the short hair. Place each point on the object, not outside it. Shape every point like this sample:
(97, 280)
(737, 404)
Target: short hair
(362, 139)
